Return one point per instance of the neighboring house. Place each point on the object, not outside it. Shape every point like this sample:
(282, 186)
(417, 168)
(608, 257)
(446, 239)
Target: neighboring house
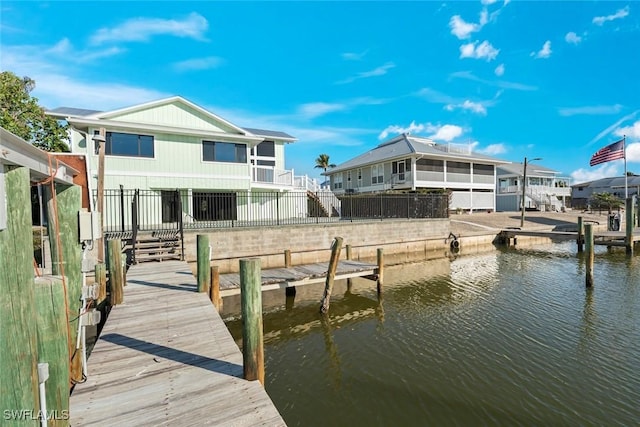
(545, 190)
(173, 144)
(412, 163)
(581, 193)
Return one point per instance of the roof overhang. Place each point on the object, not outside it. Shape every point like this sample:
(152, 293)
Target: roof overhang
(16, 151)
(85, 123)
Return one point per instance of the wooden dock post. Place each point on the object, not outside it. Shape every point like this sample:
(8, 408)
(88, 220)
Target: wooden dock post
(588, 237)
(18, 350)
(336, 247)
(252, 333)
(287, 258)
(101, 281)
(580, 237)
(380, 280)
(628, 240)
(53, 341)
(116, 276)
(214, 289)
(349, 281)
(203, 260)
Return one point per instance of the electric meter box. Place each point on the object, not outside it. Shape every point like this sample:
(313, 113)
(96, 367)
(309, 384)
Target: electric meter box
(89, 226)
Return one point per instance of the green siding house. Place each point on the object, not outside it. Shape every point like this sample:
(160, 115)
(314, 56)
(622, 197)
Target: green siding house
(173, 144)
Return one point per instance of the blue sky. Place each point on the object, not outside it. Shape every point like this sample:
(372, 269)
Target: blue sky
(556, 80)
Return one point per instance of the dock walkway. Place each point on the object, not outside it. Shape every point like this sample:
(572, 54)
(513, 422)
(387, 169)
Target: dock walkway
(165, 357)
(606, 238)
(277, 278)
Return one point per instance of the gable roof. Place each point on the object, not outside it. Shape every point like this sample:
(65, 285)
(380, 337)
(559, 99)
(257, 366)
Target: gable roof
(611, 182)
(532, 170)
(86, 117)
(405, 145)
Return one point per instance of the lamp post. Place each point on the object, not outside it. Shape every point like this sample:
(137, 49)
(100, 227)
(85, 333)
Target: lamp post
(524, 189)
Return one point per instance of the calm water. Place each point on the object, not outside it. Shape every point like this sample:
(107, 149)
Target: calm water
(506, 338)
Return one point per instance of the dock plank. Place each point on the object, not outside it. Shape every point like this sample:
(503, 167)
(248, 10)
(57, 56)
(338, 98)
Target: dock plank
(165, 357)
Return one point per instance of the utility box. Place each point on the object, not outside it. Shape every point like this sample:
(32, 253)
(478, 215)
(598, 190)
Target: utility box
(89, 226)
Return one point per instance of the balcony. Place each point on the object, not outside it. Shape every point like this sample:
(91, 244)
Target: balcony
(271, 175)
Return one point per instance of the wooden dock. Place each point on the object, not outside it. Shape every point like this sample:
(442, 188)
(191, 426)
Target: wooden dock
(279, 278)
(165, 357)
(606, 238)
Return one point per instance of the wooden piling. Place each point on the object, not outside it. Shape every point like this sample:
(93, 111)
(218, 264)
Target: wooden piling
(214, 289)
(252, 333)
(101, 281)
(628, 240)
(287, 258)
(63, 230)
(203, 262)
(18, 347)
(588, 237)
(53, 338)
(380, 280)
(336, 247)
(116, 278)
(580, 237)
(348, 254)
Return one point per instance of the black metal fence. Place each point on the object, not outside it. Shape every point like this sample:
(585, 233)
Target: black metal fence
(142, 210)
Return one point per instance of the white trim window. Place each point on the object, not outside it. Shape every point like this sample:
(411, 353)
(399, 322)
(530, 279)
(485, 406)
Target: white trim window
(377, 174)
(359, 177)
(337, 181)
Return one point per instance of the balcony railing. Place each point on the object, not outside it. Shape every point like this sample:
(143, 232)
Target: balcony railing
(536, 189)
(271, 175)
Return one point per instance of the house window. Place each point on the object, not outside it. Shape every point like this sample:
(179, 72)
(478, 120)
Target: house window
(227, 152)
(128, 144)
(170, 206)
(265, 149)
(377, 174)
(359, 177)
(430, 165)
(458, 167)
(486, 170)
(337, 181)
(215, 206)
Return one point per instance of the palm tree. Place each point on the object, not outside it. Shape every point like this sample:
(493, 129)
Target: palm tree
(322, 162)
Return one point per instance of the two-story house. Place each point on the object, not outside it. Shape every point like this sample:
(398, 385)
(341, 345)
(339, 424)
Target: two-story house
(413, 163)
(544, 189)
(173, 144)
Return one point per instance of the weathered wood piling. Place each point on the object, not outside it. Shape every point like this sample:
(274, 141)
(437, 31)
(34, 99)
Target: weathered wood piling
(588, 237)
(380, 281)
(629, 218)
(580, 237)
(203, 262)
(336, 247)
(252, 332)
(116, 276)
(214, 289)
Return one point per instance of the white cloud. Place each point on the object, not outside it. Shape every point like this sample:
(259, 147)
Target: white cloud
(437, 132)
(206, 63)
(590, 110)
(604, 171)
(142, 29)
(608, 130)
(475, 107)
(632, 131)
(436, 97)
(633, 152)
(445, 132)
(499, 70)
(315, 109)
(468, 75)
(483, 50)
(379, 71)
(462, 29)
(492, 149)
(572, 38)
(545, 52)
(353, 56)
(621, 13)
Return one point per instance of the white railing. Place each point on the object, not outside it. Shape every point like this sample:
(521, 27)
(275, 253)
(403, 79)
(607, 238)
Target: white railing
(454, 148)
(271, 175)
(306, 183)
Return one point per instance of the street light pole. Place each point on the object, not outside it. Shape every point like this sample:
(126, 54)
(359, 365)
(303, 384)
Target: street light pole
(524, 189)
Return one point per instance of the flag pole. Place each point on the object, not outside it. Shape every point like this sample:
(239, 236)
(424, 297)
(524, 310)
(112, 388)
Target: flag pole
(624, 151)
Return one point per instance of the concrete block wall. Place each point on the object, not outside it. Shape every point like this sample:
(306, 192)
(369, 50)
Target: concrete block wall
(402, 241)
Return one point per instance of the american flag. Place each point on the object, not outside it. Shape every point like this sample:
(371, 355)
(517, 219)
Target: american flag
(611, 152)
